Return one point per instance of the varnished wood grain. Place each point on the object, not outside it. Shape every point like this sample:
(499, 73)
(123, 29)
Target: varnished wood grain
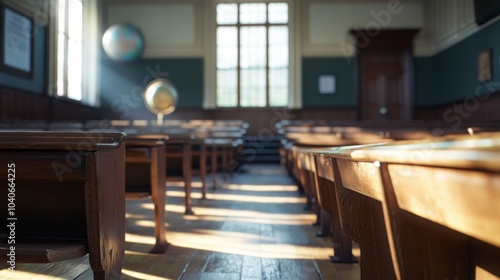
(226, 239)
(88, 212)
(438, 204)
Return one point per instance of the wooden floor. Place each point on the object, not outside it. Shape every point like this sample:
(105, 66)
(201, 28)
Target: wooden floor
(253, 228)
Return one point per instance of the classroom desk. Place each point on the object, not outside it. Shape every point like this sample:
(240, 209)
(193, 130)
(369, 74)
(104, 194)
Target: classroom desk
(148, 150)
(433, 204)
(69, 198)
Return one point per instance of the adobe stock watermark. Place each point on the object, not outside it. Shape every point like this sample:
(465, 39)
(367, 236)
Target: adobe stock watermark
(470, 104)
(381, 19)
(122, 107)
(20, 30)
(127, 102)
(75, 156)
(455, 117)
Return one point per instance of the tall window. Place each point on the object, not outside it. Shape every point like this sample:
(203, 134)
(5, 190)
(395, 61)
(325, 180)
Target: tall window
(69, 49)
(252, 55)
(76, 42)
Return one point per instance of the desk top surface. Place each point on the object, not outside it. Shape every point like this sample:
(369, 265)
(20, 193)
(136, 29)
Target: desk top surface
(85, 141)
(470, 152)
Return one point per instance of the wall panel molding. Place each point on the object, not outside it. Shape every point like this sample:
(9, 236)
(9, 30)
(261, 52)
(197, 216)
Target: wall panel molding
(450, 22)
(326, 24)
(171, 28)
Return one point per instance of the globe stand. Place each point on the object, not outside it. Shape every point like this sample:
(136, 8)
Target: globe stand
(160, 98)
(159, 119)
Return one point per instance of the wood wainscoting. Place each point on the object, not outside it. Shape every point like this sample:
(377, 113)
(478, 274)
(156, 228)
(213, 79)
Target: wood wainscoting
(19, 105)
(471, 109)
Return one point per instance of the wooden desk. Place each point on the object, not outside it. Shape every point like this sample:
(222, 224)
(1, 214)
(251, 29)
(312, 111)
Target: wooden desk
(314, 174)
(69, 196)
(435, 203)
(149, 150)
(190, 140)
(178, 146)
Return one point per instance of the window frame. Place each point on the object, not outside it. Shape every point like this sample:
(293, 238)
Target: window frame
(239, 27)
(294, 65)
(91, 11)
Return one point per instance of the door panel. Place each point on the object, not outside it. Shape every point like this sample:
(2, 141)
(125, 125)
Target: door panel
(382, 95)
(385, 74)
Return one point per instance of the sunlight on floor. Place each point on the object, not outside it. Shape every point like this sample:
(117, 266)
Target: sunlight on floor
(247, 216)
(18, 273)
(239, 244)
(241, 198)
(260, 188)
(139, 275)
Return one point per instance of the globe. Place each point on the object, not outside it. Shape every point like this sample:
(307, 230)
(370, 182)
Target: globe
(160, 97)
(122, 42)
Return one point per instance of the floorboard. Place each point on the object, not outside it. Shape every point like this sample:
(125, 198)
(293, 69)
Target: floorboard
(254, 227)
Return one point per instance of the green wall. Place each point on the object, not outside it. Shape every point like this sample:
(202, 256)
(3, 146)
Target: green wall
(446, 77)
(122, 83)
(451, 75)
(343, 69)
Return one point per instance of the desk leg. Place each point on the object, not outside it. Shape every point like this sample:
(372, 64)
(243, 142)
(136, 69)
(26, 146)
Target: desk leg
(203, 170)
(361, 219)
(325, 225)
(159, 198)
(310, 178)
(342, 244)
(186, 171)
(224, 159)
(232, 160)
(105, 210)
(214, 167)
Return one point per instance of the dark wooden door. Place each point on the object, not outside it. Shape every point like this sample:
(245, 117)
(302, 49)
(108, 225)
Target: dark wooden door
(385, 72)
(382, 88)
(382, 94)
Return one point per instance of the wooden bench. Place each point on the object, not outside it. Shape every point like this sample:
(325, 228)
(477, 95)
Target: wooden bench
(69, 198)
(318, 183)
(433, 205)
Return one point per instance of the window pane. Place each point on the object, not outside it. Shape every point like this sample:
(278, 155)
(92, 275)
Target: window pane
(227, 91)
(74, 70)
(62, 16)
(278, 13)
(278, 87)
(227, 14)
(253, 13)
(253, 47)
(278, 46)
(61, 62)
(253, 88)
(263, 53)
(75, 20)
(227, 47)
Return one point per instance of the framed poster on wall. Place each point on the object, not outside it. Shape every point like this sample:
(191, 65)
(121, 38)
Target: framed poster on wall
(16, 42)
